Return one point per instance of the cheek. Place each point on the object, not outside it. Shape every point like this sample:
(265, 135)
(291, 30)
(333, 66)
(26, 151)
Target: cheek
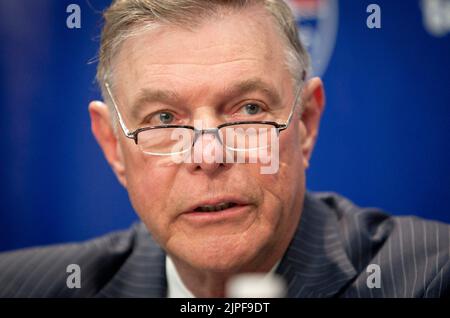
(291, 154)
(289, 182)
(146, 180)
(148, 184)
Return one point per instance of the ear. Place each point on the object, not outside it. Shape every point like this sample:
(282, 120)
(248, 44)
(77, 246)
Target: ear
(101, 126)
(313, 98)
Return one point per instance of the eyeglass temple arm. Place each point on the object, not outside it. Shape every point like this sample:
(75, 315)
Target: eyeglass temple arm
(126, 131)
(296, 102)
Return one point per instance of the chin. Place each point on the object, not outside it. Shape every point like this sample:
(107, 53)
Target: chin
(222, 265)
(218, 256)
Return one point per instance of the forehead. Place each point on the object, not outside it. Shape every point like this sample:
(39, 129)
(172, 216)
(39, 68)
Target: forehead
(222, 50)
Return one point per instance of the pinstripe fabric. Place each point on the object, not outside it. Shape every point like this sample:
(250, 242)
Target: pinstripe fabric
(328, 257)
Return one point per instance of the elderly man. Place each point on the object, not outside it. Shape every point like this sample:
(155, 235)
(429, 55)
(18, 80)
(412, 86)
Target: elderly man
(199, 98)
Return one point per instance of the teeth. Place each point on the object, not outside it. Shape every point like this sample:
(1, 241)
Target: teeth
(223, 206)
(208, 208)
(215, 208)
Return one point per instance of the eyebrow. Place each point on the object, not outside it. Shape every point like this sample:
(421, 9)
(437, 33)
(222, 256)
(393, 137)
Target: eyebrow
(149, 95)
(252, 85)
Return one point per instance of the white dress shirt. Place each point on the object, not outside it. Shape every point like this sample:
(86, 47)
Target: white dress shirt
(176, 287)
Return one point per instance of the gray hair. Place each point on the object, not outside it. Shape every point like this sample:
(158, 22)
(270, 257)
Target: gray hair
(127, 18)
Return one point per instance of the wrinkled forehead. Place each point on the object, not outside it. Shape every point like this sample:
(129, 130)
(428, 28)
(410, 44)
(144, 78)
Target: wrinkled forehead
(217, 53)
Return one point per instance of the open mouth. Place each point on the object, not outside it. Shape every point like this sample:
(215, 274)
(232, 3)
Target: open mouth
(219, 210)
(215, 208)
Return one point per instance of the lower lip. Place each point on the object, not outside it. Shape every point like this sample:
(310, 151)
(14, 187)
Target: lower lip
(211, 217)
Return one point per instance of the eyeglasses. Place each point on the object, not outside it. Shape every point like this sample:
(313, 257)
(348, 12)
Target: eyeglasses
(163, 140)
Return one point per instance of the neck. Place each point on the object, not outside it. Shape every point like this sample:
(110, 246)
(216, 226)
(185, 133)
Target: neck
(205, 284)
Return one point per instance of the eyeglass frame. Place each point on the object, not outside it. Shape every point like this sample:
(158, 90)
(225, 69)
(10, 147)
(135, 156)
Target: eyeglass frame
(198, 132)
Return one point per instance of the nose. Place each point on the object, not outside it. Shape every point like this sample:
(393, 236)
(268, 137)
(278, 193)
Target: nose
(207, 151)
(207, 154)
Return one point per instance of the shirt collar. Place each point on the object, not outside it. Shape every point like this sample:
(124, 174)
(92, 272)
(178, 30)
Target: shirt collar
(176, 287)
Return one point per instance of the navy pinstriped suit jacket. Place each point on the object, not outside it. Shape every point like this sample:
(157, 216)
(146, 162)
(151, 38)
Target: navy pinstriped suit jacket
(328, 257)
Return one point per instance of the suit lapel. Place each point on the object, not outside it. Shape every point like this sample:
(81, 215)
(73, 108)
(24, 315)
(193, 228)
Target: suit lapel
(316, 264)
(143, 274)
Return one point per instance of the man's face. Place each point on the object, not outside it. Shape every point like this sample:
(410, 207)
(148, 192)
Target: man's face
(194, 72)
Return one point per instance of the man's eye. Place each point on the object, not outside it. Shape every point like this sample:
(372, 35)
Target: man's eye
(251, 109)
(164, 118)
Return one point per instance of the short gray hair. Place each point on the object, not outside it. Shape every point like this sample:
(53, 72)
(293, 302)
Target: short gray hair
(126, 18)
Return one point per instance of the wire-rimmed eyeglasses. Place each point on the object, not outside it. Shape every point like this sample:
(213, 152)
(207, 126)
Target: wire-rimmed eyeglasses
(175, 139)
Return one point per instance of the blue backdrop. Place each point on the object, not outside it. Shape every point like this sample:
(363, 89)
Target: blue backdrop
(384, 138)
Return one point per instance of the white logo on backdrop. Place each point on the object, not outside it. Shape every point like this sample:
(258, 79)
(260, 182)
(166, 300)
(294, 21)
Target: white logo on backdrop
(436, 16)
(318, 22)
